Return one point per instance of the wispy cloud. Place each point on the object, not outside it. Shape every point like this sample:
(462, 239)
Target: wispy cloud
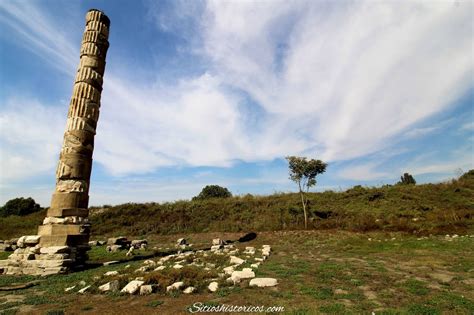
(363, 172)
(334, 80)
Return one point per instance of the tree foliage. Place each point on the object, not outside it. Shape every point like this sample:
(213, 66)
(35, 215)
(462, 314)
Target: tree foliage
(303, 172)
(407, 179)
(213, 191)
(19, 206)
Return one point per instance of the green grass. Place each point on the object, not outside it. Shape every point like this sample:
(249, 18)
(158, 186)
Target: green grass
(416, 287)
(436, 208)
(155, 303)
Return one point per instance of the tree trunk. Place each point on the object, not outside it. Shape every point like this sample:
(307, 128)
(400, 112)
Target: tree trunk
(304, 210)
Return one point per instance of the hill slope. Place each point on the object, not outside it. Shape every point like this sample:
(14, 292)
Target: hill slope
(422, 209)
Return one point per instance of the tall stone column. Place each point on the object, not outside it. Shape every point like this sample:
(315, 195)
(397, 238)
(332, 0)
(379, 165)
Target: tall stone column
(62, 240)
(66, 222)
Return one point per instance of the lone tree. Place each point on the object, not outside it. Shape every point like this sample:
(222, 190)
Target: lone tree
(303, 172)
(213, 191)
(407, 179)
(19, 206)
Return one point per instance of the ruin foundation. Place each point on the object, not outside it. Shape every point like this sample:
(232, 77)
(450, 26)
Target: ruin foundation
(62, 241)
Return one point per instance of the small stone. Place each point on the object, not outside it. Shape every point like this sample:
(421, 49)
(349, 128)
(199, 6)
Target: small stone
(112, 286)
(111, 273)
(130, 252)
(236, 260)
(175, 286)
(229, 270)
(132, 287)
(263, 282)
(121, 240)
(213, 286)
(217, 241)
(255, 266)
(146, 289)
(189, 290)
(181, 242)
(69, 289)
(108, 263)
(160, 268)
(340, 291)
(83, 290)
(246, 273)
(178, 266)
(149, 262)
(216, 248)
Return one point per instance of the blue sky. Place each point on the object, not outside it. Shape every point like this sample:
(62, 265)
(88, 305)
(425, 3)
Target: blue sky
(219, 92)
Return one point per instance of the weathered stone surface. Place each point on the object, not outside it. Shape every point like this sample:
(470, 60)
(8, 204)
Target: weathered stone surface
(181, 241)
(216, 247)
(246, 273)
(160, 268)
(217, 241)
(189, 290)
(55, 249)
(111, 273)
(139, 243)
(228, 270)
(121, 240)
(175, 286)
(132, 287)
(61, 229)
(263, 282)
(213, 286)
(236, 260)
(70, 212)
(146, 289)
(63, 240)
(112, 286)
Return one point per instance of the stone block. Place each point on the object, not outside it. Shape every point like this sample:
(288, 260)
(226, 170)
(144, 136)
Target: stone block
(132, 286)
(67, 212)
(62, 229)
(53, 263)
(63, 240)
(70, 200)
(55, 250)
(112, 286)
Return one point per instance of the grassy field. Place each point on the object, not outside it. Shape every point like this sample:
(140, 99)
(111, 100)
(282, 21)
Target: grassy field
(380, 250)
(421, 209)
(319, 272)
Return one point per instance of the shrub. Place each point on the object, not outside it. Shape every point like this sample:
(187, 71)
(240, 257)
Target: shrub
(407, 179)
(213, 191)
(19, 206)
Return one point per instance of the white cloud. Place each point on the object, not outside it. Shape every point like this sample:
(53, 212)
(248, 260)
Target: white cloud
(334, 80)
(363, 172)
(469, 126)
(30, 139)
(353, 75)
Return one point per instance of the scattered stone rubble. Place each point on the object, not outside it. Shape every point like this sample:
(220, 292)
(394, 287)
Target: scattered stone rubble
(233, 273)
(8, 245)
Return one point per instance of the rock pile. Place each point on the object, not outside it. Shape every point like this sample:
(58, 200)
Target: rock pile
(234, 271)
(31, 259)
(8, 245)
(117, 243)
